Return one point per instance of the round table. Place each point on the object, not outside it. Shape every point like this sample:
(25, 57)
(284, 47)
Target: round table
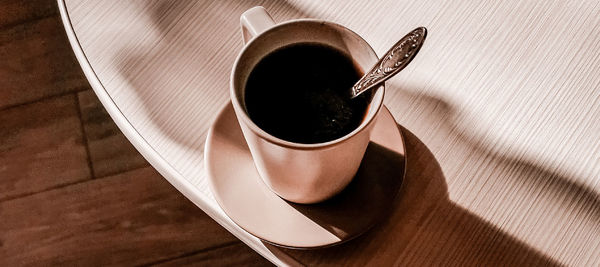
(500, 110)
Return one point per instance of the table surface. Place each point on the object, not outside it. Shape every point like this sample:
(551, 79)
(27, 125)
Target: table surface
(500, 110)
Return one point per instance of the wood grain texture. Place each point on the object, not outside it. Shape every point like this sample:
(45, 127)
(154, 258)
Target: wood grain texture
(41, 147)
(110, 152)
(35, 61)
(504, 94)
(233, 255)
(20, 12)
(127, 219)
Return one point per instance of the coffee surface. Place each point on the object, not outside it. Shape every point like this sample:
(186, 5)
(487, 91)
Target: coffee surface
(301, 93)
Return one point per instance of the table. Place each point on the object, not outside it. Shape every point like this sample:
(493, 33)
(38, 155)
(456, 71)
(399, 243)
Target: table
(500, 112)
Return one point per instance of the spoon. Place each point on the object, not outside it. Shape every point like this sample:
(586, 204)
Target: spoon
(393, 62)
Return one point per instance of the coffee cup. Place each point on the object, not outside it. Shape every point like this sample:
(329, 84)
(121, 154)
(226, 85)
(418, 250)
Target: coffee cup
(300, 172)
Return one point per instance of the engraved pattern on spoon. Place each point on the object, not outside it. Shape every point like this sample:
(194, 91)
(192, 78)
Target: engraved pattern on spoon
(392, 62)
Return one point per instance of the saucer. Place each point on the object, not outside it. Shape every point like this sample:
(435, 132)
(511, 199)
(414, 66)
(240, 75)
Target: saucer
(244, 197)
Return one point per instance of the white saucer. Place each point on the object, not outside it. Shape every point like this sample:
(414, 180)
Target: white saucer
(243, 196)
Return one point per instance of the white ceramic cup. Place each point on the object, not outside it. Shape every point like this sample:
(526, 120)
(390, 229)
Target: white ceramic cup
(301, 173)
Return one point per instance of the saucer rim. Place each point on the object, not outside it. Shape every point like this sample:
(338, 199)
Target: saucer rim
(210, 176)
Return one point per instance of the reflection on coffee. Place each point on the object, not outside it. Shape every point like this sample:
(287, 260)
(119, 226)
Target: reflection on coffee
(301, 93)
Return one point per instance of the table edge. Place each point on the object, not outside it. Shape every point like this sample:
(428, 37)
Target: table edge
(168, 172)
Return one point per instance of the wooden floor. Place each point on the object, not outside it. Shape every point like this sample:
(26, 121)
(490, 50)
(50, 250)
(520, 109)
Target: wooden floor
(73, 190)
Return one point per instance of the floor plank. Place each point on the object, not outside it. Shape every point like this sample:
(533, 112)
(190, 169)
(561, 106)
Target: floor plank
(110, 151)
(37, 62)
(51, 212)
(17, 12)
(131, 218)
(41, 147)
(237, 254)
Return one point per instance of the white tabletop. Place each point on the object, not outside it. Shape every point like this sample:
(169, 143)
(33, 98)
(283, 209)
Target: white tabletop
(504, 94)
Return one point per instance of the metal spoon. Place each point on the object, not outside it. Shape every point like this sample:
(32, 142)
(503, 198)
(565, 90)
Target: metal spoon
(393, 62)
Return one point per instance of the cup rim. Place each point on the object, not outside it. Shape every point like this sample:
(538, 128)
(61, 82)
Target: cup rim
(242, 115)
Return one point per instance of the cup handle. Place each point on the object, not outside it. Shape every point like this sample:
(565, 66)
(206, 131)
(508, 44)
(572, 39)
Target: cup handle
(255, 21)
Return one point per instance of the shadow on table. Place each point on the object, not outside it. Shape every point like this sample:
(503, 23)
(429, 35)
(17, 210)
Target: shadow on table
(188, 61)
(366, 200)
(426, 228)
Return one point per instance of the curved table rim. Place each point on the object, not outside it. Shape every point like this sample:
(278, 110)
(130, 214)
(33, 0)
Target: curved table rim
(175, 178)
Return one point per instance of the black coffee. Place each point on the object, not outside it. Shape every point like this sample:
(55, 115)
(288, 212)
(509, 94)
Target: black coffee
(301, 93)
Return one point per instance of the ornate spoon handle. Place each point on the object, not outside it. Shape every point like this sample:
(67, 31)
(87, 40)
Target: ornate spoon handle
(392, 62)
